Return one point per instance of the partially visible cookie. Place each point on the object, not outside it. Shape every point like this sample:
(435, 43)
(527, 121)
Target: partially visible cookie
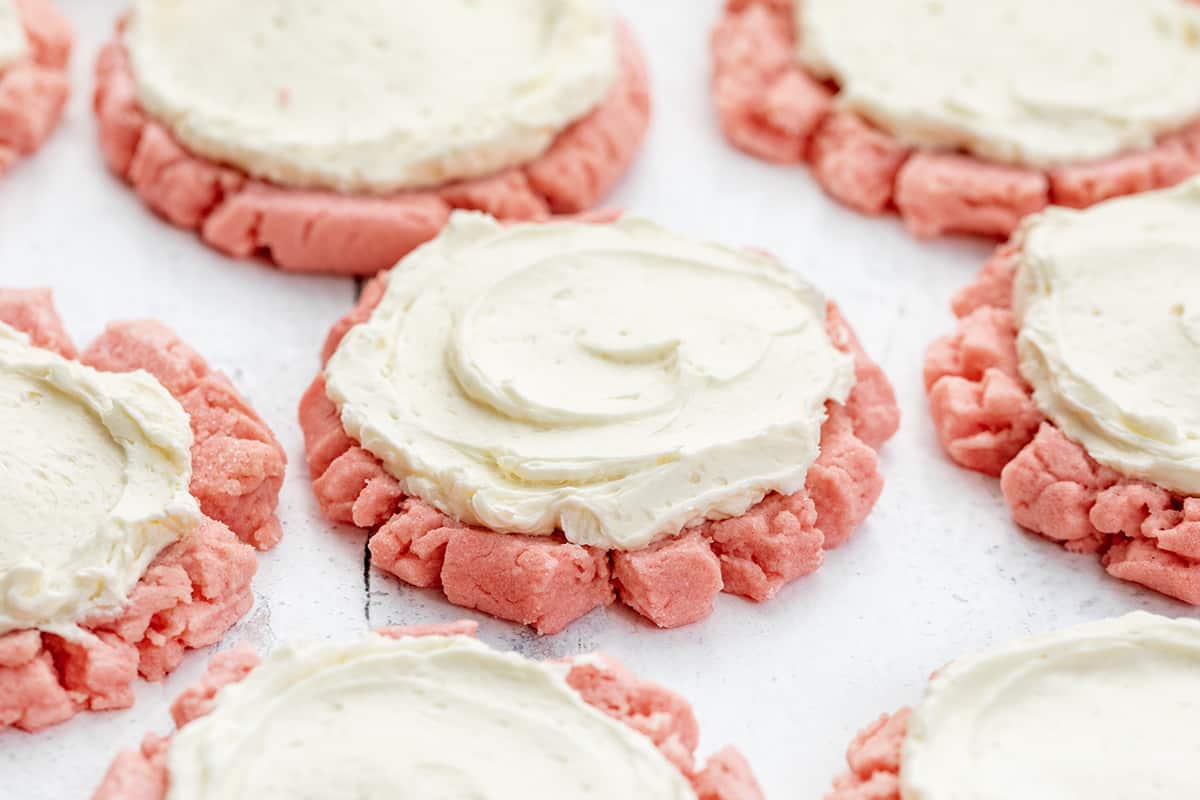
(1101, 710)
(335, 142)
(137, 484)
(35, 45)
(959, 118)
(434, 711)
(1074, 375)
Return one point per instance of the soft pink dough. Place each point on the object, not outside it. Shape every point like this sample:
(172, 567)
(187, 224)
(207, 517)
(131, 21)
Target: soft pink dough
(34, 90)
(769, 107)
(658, 713)
(873, 759)
(322, 231)
(194, 591)
(546, 582)
(986, 420)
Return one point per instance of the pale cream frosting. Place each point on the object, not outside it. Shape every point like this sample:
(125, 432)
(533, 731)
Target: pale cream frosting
(14, 44)
(1108, 302)
(615, 382)
(94, 473)
(1105, 710)
(375, 95)
(1033, 82)
(430, 717)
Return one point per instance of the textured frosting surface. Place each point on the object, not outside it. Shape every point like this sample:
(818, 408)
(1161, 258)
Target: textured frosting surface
(13, 42)
(431, 717)
(375, 95)
(615, 382)
(1108, 303)
(94, 473)
(1035, 82)
(1105, 710)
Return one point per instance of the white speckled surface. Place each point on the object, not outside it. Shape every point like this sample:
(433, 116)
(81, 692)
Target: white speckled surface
(937, 570)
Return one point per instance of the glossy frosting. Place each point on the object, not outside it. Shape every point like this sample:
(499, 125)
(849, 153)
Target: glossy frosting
(375, 95)
(433, 717)
(1108, 303)
(1035, 82)
(94, 473)
(13, 42)
(1105, 711)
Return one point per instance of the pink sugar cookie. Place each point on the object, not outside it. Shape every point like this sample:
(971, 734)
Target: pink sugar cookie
(873, 759)
(653, 711)
(324, 231)
(987, 421)
(547, 582)
(34, 90)
(197, 588)
(770, 107)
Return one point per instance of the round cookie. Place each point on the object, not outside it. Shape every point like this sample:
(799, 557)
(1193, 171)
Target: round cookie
(538, 419)
(1101, 710)
(891, 123)
(35, 45)
(167, 560)
(487, 724)
(284, 160)
(1072, 377)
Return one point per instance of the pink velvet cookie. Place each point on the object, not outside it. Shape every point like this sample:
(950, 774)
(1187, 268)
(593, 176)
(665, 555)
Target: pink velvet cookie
(664, 719)
(987, 418)
(547, 581)
(772, 106)
(319, 224)
(1065, 694)
(34, 86)
(195, 589)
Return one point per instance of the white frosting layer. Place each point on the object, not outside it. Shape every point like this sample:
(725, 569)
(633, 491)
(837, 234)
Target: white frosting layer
(1105, 710)
(1036, 82)
(94, 473)
(615, 382)
(433, 717)
(1108, 303)
(14, 44)
(375, 95)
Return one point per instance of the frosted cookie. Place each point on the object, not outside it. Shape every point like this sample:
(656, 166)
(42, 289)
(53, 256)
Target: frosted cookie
(1104, 710)
(434, 711)
(35, 45)
(959, 117)
(336, 142)
(136, 484)
(1074, 375)
(537, 418)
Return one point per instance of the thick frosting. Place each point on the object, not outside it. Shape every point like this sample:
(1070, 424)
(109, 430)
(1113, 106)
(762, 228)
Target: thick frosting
(373, 96)
(94, 473)
(13, 42)
(615, 382)
(1108, 304)
(1105, 710)
(1018, 81)
(440, 717)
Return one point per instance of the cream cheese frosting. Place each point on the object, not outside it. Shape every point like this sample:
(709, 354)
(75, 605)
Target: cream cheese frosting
(375, 95)
(94, 473)
(439, 717)
(1034, 82)
(614, 382)
(1105, 710)
(1108, 302)
(14, 44)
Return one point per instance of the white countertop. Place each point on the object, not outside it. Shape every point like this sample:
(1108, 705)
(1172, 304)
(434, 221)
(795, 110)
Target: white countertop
(937, 570)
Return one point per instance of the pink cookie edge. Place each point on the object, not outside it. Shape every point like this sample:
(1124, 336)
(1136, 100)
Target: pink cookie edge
(312, 231)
